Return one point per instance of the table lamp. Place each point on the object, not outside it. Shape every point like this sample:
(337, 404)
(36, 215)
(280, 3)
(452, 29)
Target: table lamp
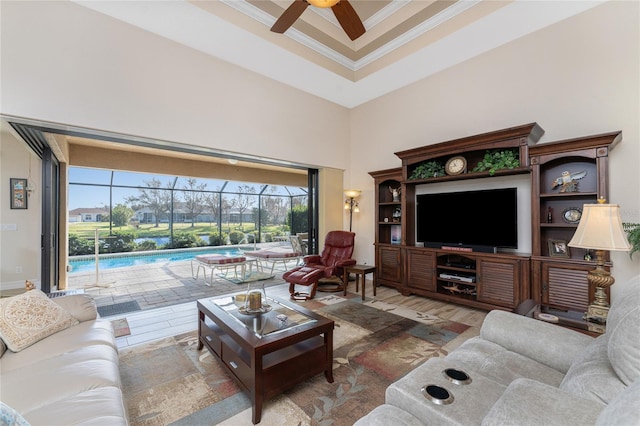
(600, 229)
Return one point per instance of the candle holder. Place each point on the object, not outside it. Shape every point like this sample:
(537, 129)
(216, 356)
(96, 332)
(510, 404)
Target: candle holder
(256, 302)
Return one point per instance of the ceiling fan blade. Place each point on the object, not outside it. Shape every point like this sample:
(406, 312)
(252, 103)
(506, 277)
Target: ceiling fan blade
(289, 16)
(348, 19)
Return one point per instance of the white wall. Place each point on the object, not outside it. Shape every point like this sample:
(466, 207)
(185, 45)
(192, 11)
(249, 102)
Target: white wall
(576, 78)
(579, 77)
(19, 229)
(68, 64)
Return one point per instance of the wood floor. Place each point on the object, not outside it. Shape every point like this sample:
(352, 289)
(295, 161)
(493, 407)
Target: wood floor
(154, 324)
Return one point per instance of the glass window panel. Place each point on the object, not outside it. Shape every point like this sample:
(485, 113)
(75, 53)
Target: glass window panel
(202, 184)
(296, 190)
(88, 197)
(87, 175)
(141, 179)
(243, 187)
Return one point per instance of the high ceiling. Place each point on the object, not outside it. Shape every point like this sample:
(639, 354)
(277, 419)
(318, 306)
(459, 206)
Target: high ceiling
(405, 40)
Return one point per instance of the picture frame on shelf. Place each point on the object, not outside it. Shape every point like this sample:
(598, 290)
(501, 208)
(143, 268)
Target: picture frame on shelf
(572, 215)
(396, 234)
(558, 248)
(18, 193)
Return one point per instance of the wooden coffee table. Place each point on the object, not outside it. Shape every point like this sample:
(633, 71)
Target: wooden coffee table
(263, 353)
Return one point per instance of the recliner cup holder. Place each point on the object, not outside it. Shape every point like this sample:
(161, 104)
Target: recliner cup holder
(437, 395)
(457, 377)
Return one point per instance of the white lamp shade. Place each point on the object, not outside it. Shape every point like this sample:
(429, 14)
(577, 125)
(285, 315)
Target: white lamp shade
(600, 228)
(352, 193)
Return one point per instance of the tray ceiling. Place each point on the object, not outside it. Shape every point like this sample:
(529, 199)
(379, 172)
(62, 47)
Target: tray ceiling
(405, 40)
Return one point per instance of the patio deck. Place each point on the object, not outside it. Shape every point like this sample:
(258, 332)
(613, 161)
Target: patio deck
(157, 285)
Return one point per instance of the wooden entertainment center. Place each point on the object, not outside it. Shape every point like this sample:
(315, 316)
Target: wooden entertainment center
(501, 280)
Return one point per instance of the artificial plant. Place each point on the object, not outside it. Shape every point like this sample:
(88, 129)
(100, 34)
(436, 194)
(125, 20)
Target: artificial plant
(498, 160)
(428, 169)
(633, 235)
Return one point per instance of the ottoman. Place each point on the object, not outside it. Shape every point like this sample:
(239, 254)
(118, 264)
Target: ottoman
(306, 276)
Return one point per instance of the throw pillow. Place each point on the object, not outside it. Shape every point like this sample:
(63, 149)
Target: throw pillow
(9, 416)
(27, 318)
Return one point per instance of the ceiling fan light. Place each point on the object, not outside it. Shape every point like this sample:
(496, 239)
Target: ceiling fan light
(323, 3)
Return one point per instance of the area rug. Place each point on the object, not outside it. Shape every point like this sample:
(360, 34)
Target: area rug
(118, 308)
(121, 327)
(248, 277)
(169, 382)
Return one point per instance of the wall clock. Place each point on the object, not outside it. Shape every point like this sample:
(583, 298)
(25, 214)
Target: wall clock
(456, 165)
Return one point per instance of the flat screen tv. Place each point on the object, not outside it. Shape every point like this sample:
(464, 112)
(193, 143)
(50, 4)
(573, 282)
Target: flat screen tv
(486, 218)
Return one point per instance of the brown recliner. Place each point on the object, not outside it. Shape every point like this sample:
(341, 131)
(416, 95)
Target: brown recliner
(337, 251)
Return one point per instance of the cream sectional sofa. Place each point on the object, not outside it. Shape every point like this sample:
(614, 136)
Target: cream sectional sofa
(70, 377)
(528, 372)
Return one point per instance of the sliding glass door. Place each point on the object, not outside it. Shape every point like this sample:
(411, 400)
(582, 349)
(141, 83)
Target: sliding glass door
(50, 217)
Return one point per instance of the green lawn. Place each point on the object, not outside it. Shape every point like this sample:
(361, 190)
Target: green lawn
(87, 229)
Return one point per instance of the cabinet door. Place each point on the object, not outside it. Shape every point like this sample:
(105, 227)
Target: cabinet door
(497, 280)
(421, 266)
(565, 286)
(388, 266)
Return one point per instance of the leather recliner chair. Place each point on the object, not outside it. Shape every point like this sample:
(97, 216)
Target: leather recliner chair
(337, 251)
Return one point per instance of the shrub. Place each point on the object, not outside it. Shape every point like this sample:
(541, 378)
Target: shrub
(298, 219)
(268, 238)
(118, 243)
(186, 240)
(236, 237)
(79, 246)
(216, 239)
(147, 245)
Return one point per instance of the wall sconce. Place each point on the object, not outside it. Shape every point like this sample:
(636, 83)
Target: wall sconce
(351, 204)
(600, 229)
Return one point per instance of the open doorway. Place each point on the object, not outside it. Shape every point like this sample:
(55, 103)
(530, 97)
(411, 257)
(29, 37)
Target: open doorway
(80, 148)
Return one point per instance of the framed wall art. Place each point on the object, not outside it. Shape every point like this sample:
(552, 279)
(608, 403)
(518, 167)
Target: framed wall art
(18, 193)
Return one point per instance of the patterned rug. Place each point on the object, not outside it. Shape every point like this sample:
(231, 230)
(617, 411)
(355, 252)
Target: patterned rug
(375, 343)
(118, 308)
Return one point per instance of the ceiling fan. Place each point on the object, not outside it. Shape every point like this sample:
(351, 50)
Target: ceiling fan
(345, 14)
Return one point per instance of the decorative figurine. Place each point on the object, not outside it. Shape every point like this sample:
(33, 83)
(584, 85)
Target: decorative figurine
(568, 182)
(395, 192)
(397, 214)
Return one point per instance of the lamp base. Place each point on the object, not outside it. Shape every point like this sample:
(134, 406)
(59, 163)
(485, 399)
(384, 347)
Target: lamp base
(597, 314)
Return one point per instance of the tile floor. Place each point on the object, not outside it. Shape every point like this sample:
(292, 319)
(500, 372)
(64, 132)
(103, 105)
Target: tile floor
(167, 295)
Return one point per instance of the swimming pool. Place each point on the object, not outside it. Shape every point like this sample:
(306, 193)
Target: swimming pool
(121, 260)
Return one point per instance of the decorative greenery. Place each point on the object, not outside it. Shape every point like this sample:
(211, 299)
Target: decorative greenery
(186, 240)
(216, 239)
(236, 237)
(147, 245)
(498, 160)
(428, 169)
(633, 235)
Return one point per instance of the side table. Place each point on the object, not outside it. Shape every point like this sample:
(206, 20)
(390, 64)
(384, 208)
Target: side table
(360, 271)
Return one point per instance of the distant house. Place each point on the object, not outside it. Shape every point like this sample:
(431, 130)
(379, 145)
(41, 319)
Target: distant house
(87, 215)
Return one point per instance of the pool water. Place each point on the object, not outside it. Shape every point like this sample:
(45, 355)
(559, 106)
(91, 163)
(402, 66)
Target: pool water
(120, 261)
